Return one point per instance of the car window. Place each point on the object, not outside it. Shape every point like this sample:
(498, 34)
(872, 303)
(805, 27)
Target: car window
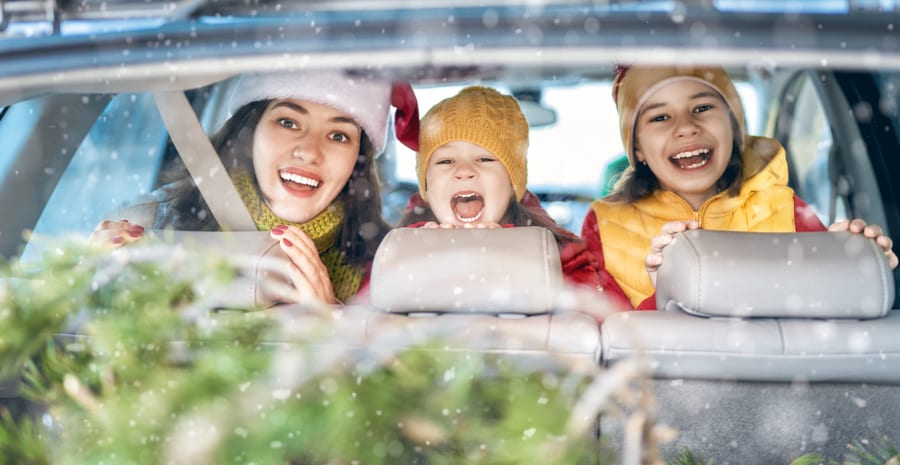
(117, 162)
(567, 159)
(809, 144)
(889, 88)
(119, 159)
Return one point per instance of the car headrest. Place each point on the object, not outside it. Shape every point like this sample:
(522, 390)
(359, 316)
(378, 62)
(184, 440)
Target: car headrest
(739, 274)
(499, 270)
(262, 266)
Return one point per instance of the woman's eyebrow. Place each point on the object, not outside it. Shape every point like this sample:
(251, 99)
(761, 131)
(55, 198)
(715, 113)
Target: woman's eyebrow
(293, 106)
(344, 119)
(301, 109)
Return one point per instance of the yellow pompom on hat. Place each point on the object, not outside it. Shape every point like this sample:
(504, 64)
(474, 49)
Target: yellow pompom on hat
(635, 84)
(484, 117)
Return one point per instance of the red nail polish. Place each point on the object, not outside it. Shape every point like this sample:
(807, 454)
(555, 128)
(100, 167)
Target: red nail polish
(287, 242)
(277, 231)
(134, 233)
(281, 227)
(116, 240)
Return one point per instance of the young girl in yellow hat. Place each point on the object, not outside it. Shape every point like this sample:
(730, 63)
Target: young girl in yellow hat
(473, 171)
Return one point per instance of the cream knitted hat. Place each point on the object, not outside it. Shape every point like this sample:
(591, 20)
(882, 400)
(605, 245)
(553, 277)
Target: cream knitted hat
(634, 85)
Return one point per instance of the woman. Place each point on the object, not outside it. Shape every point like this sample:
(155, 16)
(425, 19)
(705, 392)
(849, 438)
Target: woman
(300, 150)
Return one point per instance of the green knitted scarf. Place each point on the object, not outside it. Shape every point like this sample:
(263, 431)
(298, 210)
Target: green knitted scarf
(323, 230)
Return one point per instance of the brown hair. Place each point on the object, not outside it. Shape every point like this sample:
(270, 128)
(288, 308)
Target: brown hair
(362, 229)
(639, 182)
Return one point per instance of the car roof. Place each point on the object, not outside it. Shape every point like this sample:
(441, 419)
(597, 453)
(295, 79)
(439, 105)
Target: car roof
(190, 44)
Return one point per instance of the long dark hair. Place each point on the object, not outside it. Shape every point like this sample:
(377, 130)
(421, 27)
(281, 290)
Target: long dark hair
(362, 229)
(639, 182)
(516, 214)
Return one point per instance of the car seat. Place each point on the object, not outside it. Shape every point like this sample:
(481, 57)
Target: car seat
(769, 345)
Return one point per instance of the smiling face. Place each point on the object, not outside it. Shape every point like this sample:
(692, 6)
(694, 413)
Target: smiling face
(303, 155)
(684, 133)
(466, 184)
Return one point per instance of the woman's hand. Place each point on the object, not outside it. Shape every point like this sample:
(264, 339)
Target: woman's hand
(112, 234)
(872, 231)
(307, 272)
(654, 259)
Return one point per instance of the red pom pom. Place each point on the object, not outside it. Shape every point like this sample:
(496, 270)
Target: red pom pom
(406, 116)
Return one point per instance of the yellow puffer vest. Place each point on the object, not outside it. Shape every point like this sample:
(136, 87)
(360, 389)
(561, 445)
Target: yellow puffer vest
(764, 204)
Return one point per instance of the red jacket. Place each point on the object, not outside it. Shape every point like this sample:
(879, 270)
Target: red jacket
(805, 220)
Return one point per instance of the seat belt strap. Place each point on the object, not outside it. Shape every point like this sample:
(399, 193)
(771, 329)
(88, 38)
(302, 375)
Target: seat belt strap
(202, 162)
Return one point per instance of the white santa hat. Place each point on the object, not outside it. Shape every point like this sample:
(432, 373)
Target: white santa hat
(366, 99)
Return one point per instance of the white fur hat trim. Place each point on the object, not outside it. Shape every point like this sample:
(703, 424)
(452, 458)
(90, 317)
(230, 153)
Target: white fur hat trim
(367, 100)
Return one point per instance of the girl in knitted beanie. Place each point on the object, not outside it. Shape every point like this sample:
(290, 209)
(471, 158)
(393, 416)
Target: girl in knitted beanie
(691, 165)
(300, 149)
(472, 171)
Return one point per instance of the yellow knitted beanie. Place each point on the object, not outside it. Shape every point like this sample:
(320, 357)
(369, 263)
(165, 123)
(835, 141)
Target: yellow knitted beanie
(482, 116)
(634, 85)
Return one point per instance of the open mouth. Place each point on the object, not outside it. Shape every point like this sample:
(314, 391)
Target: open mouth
(467, 206)
(298, 182)
(692, 159)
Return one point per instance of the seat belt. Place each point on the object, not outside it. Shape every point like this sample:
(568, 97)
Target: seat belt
(202, 162)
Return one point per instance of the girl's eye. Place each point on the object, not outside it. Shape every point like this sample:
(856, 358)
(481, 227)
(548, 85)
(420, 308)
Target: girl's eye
(659, 118)
(443, 161)
(287, 123)
(486, 159)
(702, 108)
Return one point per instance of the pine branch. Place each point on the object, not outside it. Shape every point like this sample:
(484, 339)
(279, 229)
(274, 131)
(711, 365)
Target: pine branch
(688, 457)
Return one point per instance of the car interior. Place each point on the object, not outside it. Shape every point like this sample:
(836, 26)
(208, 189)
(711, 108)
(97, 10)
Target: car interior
(800, 353)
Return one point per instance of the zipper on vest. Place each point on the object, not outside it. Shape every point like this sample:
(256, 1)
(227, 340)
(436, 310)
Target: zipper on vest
(699, 215)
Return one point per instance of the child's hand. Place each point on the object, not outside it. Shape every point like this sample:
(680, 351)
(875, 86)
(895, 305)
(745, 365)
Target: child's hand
(654, 259)
(307, 272)
(436, 225)
(482, 225)
(113, 234)
(872, 231)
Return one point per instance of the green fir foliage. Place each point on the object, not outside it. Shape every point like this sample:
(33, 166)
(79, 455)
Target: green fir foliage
(860, 452)
(689, 457)
(125, 360)
(129, 357)
(877, 452)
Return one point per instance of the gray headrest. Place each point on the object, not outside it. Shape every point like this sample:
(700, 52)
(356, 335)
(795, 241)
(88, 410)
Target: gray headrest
(263, 278)
(502, 270)
(812, 275)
